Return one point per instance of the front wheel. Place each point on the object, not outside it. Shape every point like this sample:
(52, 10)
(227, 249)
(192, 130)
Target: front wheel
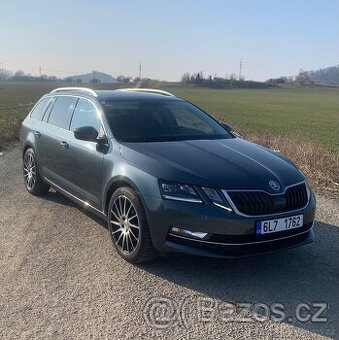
(34, 183)
(128, 226)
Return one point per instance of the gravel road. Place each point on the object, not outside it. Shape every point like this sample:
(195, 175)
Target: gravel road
(61, 278)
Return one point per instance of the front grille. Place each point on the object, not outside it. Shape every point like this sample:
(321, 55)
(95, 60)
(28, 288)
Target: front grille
(262, 203)
(296, 197)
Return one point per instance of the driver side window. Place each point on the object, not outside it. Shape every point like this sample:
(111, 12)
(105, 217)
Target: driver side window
(85, 114)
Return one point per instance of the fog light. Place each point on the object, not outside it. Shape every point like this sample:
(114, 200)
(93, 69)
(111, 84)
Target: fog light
(188, 233)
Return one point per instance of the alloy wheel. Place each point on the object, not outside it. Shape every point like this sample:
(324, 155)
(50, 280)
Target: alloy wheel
(125, 225)
(29, 171)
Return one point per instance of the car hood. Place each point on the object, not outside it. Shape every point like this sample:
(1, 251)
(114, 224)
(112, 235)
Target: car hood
(219, 163)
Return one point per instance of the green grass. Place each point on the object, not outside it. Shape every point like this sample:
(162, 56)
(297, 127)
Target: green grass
(311, 113)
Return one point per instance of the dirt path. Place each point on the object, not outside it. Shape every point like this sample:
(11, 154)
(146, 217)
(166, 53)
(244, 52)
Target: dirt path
(61, 278)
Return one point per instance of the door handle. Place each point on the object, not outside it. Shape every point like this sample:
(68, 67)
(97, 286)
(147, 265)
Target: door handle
(64, 145)
(37, 134)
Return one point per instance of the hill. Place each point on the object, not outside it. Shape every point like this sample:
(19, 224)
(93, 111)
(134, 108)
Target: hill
(94, 76)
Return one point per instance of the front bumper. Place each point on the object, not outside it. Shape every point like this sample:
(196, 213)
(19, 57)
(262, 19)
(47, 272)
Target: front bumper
(230, 235)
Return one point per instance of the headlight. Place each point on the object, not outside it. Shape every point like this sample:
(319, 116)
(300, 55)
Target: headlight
(217, 198)
(179, 192)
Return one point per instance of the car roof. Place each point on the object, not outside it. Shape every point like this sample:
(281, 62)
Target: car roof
(114, 94)
(119, 94)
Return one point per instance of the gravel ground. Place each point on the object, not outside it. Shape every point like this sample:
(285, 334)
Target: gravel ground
(61, 278)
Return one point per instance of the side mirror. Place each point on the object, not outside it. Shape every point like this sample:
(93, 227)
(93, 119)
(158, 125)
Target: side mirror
(87, 133)
(226, 126)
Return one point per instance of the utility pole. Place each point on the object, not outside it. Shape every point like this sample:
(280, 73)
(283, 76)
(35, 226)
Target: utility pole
(40, 71)
(240, 68)
(140, 67)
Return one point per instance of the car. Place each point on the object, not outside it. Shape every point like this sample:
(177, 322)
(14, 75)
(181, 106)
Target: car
(166, 176)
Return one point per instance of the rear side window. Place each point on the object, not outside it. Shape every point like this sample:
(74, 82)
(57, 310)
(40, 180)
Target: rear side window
(40, 109)
(61, 111)
(85, 114)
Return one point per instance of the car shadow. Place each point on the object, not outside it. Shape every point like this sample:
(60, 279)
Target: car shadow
(304, 275)
(56, 197)
(308, 275)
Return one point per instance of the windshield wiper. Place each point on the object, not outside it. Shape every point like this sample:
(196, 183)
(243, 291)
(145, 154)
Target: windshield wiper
(170, 138)
(139, 139)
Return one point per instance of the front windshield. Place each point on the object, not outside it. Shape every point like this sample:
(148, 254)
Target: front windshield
(171, 120)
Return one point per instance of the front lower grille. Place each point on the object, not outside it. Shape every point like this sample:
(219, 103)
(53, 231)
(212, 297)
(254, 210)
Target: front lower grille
(217, 241)
(262, 203)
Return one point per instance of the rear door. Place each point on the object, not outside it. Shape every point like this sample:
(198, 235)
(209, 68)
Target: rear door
(52, 150)
(37, 126)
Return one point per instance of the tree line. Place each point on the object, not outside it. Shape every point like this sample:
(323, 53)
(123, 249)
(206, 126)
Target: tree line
(19, 75)
(328, 75)
(198, 79)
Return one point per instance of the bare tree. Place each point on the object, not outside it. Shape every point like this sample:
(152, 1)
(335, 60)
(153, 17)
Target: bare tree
(19, 74)
(303, 77)
(186, 78)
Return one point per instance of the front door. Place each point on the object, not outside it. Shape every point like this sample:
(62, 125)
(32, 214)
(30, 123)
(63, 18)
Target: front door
(83, 160)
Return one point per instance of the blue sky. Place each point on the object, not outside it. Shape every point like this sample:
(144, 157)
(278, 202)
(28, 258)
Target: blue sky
(276, 37)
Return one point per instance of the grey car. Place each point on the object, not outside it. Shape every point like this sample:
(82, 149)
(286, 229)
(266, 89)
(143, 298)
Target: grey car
(165, 175)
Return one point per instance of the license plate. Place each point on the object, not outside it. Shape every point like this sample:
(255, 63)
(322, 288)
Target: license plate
(279, 224)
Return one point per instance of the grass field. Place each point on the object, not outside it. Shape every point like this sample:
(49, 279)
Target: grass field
(312, 113)
(16, 100)
(301, 122)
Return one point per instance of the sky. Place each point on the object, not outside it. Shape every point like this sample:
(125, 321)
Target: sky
(272, 37)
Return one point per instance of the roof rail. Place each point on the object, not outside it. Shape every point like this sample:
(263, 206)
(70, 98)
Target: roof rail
(79, 89)
(164, 93)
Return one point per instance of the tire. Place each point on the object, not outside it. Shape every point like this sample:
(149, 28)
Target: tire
(129, 228)
(32, 178)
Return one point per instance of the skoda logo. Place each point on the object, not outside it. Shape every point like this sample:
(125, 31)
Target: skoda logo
(274, 185)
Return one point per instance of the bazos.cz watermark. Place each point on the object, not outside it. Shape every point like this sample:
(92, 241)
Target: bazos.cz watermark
(162, 312)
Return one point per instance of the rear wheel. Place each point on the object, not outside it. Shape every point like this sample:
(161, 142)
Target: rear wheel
(128, 226)
(33, 181)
